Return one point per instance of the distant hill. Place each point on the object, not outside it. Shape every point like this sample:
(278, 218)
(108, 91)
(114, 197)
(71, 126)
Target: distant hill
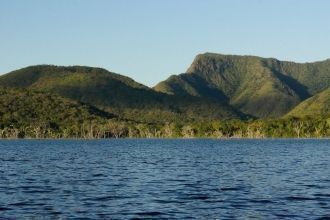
(89, 85)
(318, 105)
(262, 87)
(115, 94)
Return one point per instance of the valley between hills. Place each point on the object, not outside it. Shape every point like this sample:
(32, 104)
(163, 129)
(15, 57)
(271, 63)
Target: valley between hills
(219, 96)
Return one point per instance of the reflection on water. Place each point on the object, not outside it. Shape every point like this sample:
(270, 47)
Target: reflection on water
(165, 179)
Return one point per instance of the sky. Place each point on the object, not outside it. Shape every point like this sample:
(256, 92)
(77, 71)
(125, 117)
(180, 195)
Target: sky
(149, 40)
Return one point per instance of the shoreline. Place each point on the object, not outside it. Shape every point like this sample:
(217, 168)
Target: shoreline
(164, 138)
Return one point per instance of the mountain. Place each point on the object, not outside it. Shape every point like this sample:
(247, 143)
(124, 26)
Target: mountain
(262, 87)
(208, 100)
(317, 105)
(214, 87)
(115, 94)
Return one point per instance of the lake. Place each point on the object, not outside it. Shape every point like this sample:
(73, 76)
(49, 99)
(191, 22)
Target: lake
(139, 178)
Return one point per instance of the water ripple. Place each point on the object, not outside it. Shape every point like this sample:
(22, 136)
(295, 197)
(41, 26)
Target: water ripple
(165, 179)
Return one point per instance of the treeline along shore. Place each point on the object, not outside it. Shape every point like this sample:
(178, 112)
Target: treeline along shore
(288, 128)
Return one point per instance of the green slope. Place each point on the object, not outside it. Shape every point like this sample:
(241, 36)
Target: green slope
(21, 107)
(256, 86)
(90, 85)
(318, 105)
(115, 93)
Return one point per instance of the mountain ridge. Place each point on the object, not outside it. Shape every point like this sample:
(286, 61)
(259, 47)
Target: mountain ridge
(218, 96)
(214, 86)
(114, 93)
(252, 84)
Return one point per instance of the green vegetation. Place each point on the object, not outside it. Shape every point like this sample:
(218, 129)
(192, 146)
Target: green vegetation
(255, 86)
(219, 97)
(115, 94)
(25, 113)
(29, 114)
(318, 105)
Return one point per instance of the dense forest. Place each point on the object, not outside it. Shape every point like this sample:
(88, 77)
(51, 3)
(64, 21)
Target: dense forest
(219, 96)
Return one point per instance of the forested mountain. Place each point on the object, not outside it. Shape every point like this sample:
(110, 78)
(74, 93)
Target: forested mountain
(115, 94)
(256, 86)
(218, 96)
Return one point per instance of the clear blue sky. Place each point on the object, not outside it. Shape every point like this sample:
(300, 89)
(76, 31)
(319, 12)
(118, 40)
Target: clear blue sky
(149, 40)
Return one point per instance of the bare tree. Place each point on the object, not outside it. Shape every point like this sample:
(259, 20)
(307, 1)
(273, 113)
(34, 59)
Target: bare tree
(188, 131)
(297, 127)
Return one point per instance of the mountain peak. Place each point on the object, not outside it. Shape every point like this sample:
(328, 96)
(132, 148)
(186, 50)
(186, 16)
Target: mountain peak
(254, 85)
(213, 61)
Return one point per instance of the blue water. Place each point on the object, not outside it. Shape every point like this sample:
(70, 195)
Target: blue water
(208, 179)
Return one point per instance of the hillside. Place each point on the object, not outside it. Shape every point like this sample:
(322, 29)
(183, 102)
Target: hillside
(256, 86)
(214, 87)
(35, 110)
(318, 105)
(115, 94)
(84, 102)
